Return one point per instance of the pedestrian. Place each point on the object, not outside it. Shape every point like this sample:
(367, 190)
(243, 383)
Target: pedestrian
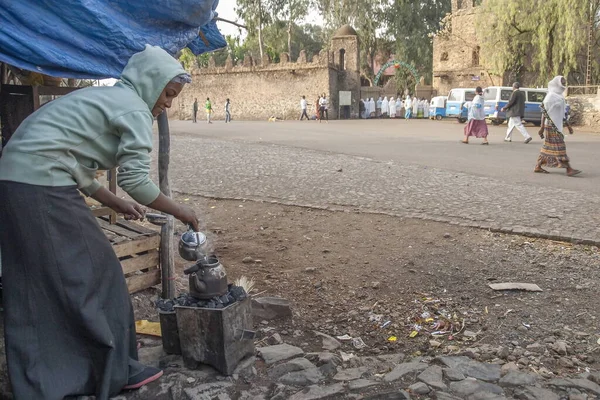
(515, 111)
(318, 107)
(415, 107)
(378, 107)
(195, 109)
(372, 108)
(476, 126)
(425, 109)
(554, 151)
(69, 325)
(385, 106)
(208, 107)
(408, 107)
(398, 107)
(323, 108)
(227, 111)
(303, 105)
(392, 108)
(361, 109)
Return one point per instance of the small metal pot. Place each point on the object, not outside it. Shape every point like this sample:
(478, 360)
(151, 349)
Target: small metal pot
(193, 245)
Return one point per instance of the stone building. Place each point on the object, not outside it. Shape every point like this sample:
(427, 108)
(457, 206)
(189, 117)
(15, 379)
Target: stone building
(260, 89)
(456, 60)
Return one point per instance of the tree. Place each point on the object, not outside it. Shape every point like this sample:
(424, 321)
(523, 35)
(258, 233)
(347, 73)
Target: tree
(291, 11)
(308, 38)
(548, 36)
(411, 24)
(256, 15)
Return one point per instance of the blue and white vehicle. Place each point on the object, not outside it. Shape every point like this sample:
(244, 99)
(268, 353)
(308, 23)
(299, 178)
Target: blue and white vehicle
(497, 97)
(437, 107)
(455, 105)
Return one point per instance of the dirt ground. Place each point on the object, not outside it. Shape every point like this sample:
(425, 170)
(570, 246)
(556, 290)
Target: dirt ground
(349, 273)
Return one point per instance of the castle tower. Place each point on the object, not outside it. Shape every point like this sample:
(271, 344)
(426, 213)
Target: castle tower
(345, 49)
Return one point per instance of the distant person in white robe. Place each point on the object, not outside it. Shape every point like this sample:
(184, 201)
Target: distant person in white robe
(385, 105)
(415, 107)
(372, 109)
(408, 107)
(378, 107)
(425, 109)
(392, 108)
(398, 107)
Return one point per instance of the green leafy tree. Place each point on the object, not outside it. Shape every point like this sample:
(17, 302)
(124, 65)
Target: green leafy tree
(549, 37)
(411, 24)
(256, 15)
(291, 11)
(308, 38)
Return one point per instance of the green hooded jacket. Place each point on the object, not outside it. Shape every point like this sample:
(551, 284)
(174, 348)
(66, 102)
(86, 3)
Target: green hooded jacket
(67, 140)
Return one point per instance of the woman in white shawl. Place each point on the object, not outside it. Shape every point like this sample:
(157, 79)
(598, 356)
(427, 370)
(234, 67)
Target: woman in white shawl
(385, 105)
(398, 107)
(408, 106)
(476, 126)
(415, 107)
(425, 109)
(392, 108)
(554, 151)
(372, 109)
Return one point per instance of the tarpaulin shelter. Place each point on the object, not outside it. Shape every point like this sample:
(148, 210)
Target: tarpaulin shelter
(95, 38)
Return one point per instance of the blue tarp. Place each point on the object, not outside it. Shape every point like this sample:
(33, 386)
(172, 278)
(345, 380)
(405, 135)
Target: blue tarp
(95, 38)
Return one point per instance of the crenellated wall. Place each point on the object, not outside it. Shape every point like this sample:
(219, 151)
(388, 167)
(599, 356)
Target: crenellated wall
(260, 89)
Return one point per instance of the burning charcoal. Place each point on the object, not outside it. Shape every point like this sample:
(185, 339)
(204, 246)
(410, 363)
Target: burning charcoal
(238, 293)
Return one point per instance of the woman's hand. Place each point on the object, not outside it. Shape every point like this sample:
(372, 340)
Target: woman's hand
(187, 215)
(570, 129)
(129, 209)
(541, 133)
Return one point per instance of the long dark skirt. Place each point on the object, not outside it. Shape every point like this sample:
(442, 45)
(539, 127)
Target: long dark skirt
(477, 128)
(69, 326)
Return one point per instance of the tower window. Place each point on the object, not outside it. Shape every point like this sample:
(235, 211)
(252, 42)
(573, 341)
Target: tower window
(342, 59)
(444, 56)
(475, 57)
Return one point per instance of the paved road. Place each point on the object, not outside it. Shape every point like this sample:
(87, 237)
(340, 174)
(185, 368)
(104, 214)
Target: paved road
(412, 168)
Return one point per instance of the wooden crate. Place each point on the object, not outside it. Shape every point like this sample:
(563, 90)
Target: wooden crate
(137, 249)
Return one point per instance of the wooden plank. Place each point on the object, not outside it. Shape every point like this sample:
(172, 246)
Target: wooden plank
(142, 230)
(135, 283)
(99, 212)
(143, 261)
(136, 246)
(117, 229)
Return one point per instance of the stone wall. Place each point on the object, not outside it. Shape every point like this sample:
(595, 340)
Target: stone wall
(585, 110)
(456, 58)
(258, 92)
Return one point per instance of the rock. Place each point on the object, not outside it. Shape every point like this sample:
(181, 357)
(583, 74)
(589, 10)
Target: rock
(329, 342)
(506, 368)
(582, 384)
(279, 352)
(471, 386)
(318, 392)
(535, 393)
(536, 348)
(395, 395)
(474, 369)
(275, 339)
(560, 347)
(432, 376)
(435, 344)
(447, 235)
(350, 374)
(594, 377)
(419, 388)
(360, 384)
(206, 390)
(271, 308)
(578, 396)
(404, 369)
(453, 374)
(248, 260)
(245, 368)
(392, 358)
(516, 378)
(503, 353)
(324, 358)
(328, 369)
(485, 396)
(297, 364)
(310, 269)
(302, 378)
(523, 361)
(565, 362)
(375, 285)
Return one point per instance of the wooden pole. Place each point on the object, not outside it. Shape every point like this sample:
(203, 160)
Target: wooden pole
(167, 259)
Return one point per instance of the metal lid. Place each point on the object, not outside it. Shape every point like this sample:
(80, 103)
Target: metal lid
(193, 239)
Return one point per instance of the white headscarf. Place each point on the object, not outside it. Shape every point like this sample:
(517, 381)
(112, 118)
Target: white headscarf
(385, 105)
(554, 102)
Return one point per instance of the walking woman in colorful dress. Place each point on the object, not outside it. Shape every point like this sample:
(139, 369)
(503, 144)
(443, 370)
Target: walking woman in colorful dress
(554, 151)
(476, 125)
(69, 325)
